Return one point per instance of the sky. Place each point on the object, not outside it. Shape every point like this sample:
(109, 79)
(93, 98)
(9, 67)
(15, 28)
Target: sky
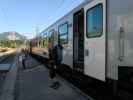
(25, 16)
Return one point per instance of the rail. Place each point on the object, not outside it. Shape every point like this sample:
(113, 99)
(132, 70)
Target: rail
(4, 56)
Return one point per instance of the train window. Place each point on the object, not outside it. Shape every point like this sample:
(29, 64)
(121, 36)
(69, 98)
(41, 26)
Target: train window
(94, 24)
(63, 29)
(63, 39)
(51, 35)
(63, 33)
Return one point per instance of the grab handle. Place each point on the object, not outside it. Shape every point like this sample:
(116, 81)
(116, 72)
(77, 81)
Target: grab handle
(121, 43)
(86, 52)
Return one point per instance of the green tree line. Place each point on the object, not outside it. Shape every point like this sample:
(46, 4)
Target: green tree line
(11, 43)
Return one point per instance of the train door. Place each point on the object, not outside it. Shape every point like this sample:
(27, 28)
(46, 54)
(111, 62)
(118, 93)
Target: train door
(95, 39)
(124, 17)
(78, 41)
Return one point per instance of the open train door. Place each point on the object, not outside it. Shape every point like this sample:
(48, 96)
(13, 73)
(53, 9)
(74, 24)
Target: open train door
(78, 41)
(95, 39)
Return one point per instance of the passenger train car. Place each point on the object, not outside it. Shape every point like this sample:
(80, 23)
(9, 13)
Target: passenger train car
(96, 37)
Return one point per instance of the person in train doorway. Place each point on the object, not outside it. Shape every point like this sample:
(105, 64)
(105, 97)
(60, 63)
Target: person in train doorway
(55, 63)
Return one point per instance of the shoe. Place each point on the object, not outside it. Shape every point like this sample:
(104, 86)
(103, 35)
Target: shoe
(57, 85)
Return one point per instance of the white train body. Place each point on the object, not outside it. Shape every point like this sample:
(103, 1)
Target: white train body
(107, 30)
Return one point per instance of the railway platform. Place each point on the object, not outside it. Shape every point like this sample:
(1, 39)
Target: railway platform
(34, 84)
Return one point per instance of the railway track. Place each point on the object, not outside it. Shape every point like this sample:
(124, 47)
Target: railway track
(5, 65)
(7, 58)
(6, 62)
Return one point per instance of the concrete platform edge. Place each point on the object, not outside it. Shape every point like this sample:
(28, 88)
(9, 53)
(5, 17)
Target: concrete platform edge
(75, 88)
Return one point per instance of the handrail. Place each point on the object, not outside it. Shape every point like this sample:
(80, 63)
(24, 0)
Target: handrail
(121, 43)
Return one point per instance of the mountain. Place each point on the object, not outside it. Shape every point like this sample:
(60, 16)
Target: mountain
(11, 36)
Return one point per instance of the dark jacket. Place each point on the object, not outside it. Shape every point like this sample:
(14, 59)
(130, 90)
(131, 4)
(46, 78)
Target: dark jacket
(56, 58)
(58, 54)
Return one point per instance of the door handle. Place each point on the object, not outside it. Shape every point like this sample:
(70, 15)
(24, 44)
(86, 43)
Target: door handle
(86, 52)
(121, 44)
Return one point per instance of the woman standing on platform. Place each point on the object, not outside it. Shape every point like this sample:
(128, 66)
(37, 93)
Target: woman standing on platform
(55, 54)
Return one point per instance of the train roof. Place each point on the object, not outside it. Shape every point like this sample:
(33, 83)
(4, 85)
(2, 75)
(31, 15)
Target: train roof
(72, 11)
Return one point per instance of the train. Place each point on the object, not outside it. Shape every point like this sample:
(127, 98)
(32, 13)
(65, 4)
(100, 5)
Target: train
(97, 39)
